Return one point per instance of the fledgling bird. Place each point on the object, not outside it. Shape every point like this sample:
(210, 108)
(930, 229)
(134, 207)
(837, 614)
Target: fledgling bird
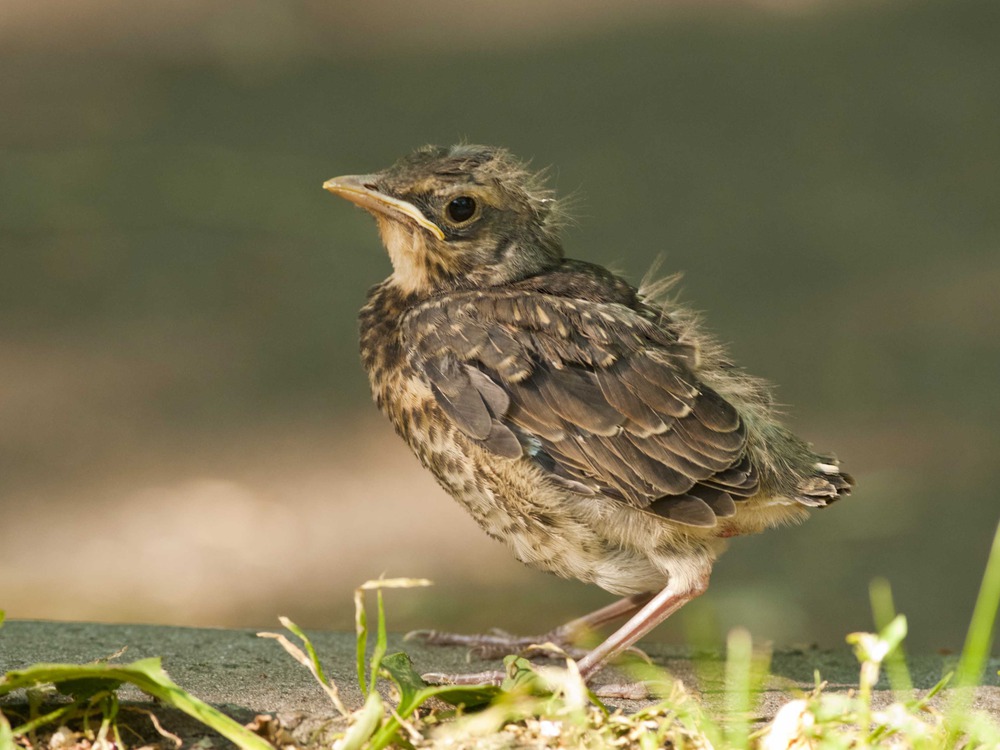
(592, 428)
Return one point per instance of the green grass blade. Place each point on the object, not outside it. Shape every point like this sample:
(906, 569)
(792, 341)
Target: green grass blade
(6, 735)
(309, 662)
(307, 644)
(400, 670)
(976, 650)
(361, 623)
(381, 641)
(361, 629)
(702, 632)
(40, 721)
(938, 687)
(366, 721)
(413, 691)
(148, 676)
(738, 690)
(884, 612)
(978, 642)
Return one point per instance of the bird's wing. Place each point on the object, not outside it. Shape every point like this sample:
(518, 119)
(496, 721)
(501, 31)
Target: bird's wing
(597, 395)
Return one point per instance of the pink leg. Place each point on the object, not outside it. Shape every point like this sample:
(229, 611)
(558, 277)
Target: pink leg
(495, 644)
(615, 611)
(658, 609)
(649, 611)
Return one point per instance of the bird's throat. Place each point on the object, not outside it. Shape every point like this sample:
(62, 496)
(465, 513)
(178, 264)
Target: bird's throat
(408, 252)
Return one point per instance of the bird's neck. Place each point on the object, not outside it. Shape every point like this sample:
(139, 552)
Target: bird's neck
(408, 252)
(418, 267)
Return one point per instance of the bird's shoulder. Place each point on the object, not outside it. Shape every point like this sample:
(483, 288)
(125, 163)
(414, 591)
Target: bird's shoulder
(576, 314)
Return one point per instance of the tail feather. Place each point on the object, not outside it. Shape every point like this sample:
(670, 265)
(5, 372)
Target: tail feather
(828, 484)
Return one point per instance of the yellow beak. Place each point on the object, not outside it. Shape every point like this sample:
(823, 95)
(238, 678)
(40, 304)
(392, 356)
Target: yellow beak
(360, 189)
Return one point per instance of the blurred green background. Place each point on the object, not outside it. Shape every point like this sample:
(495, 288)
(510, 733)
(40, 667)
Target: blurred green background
(185, 432)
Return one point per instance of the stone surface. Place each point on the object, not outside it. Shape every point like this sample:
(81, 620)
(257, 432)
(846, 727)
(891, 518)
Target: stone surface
(246, 675)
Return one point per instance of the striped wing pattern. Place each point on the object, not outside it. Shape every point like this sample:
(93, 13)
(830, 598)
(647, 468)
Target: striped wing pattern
(602, 398)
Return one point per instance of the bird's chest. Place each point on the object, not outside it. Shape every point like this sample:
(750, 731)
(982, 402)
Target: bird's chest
(404, 395)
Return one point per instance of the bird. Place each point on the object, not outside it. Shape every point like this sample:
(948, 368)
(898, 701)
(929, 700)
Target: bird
(591, 426)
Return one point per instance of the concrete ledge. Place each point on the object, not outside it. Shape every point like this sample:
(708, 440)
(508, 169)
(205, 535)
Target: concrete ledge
(245, 675)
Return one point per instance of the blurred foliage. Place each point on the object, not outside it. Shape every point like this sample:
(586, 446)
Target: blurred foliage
(827, 180)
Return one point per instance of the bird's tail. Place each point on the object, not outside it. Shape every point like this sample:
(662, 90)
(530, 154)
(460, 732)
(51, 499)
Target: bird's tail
(826, 485)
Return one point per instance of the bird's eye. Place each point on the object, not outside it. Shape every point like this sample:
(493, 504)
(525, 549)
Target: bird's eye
(461, 209)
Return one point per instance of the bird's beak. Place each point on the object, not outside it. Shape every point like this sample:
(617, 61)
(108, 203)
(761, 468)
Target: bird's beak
(360, 189)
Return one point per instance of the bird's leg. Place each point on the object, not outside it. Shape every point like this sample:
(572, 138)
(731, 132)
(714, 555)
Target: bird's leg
(573, 629)
(498, 643)
(649, 611)
(656, 610)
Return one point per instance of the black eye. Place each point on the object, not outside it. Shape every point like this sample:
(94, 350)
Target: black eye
(461, 209)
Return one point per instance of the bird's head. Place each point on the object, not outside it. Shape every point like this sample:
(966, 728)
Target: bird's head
(458, 218)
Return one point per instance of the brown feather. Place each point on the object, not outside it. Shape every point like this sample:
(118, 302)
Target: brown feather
(715, 412)
(638, 427)
(655, 395)
(708, 457)
(496, 398)
(615, 470)
(656, 449)
(654, 472)
(503, 442)
(627, 402)
(720, 502)
(685, 509)
(696, 434)
(459, 399)
(573, 393)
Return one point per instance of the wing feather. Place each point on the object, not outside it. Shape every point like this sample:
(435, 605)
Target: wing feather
(686, 509)
(459, 398)
(573, 394)
(643, 418)
(598, 396)
(637, 375)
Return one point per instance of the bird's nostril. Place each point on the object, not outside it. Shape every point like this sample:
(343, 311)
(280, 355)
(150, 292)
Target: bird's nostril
(370, 186)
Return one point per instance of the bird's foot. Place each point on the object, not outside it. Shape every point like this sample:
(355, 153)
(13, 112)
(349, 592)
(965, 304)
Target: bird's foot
(634, 691)
(498, 643)
(493, 677)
